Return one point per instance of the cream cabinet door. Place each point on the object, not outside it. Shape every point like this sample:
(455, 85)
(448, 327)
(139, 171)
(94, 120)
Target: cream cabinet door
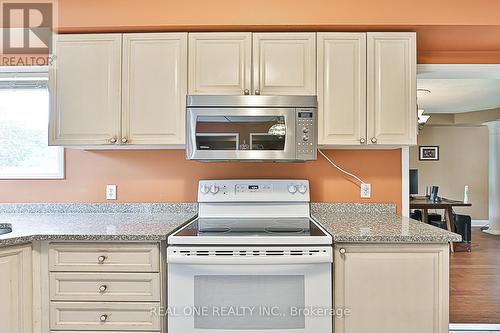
(85, 84)
(16, 290)
(220, 63)
(154, 88)
(392, 101)
(391, 288)
(341, 88)
(284, 63)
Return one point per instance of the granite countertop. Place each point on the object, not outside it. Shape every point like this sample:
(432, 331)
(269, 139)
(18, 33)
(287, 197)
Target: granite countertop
(375, 223)
(346, 222)
(94, 222)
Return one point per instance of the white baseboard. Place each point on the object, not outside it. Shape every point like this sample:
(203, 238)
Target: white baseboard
(475, 327)
(479, 223)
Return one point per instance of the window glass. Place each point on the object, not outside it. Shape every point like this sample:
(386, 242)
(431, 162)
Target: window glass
(24, 118)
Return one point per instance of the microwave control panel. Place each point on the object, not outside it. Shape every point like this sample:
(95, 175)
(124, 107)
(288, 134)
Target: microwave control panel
(306, 133)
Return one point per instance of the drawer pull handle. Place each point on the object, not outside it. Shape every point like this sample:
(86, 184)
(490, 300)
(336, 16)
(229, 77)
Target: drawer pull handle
(103, 318)
(103, 288)
(342, 251)
(101, 259)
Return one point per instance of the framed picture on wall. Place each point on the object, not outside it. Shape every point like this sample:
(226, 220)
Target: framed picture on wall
(428, 153)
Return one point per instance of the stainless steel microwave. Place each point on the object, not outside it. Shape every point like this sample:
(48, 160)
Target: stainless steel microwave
(255, 128)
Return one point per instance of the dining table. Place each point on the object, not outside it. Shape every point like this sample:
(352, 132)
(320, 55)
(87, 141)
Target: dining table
(425, 203)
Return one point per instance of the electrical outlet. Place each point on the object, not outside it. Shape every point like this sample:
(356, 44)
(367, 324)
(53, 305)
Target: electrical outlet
(110, 192)
(366, 191)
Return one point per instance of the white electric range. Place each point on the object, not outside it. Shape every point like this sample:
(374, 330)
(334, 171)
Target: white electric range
(252, 261)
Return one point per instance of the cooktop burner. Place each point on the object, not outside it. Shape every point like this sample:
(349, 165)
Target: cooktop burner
(251, 227)
(261, 212)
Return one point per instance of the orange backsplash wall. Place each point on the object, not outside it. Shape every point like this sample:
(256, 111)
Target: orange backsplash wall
(164, 175)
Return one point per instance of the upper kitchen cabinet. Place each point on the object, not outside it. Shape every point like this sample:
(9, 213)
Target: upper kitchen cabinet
(154, 88)
(16, 289)
(367, 88)
(220, 63)
(85, 83)
(392, 88)
(341, 88)
(114, 89)
(284, 63)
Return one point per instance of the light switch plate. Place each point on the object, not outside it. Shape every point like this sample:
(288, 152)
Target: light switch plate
(366, 191)
(110, 192)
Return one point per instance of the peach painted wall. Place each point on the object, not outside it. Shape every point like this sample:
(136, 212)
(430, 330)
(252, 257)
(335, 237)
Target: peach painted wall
(92, 13)
(164, 175)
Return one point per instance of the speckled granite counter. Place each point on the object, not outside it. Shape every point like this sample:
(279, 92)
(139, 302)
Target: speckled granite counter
(346, 222)
(92, 222)
(375, 223)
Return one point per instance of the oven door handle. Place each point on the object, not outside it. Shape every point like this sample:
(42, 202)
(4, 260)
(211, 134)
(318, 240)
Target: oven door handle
(249, 260)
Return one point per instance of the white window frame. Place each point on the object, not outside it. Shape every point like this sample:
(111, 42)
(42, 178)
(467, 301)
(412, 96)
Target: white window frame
(32, 72)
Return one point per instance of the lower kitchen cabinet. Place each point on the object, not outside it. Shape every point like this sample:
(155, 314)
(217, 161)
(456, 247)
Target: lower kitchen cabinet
(105, 287)
(92, 316)
(100, 286)
(391, 288)
(16, 290)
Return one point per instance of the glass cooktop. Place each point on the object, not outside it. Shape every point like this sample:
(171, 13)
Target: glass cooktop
(251, 227)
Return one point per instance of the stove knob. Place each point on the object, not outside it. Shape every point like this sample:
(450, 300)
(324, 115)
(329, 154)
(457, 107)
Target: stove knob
(302, 189)
(292, 189)
(214, 189)
(205, 189)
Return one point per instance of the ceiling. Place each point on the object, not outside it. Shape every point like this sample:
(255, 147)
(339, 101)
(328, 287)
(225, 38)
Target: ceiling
(458, 95)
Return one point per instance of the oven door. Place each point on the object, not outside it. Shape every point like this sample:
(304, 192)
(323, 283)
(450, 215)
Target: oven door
(240, 134)
(236, 290)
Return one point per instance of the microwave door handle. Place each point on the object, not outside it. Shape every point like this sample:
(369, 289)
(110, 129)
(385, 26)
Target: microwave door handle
(249, 260)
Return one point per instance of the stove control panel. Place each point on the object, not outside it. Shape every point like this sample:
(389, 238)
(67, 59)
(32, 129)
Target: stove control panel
(258, 190)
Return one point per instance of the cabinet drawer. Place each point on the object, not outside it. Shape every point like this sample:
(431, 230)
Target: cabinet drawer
(106, 287)
(97, 257)
(103, 316)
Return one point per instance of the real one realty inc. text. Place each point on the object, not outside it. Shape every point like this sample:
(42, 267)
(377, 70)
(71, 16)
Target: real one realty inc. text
(249, 311)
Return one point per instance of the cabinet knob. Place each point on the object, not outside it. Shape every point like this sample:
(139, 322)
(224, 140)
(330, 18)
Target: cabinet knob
(374, 140)
(257, 92)
(246, 92)
(112, 140)
(103, 318)
(124, 140)
(362, 140)
(101, 259)
(103, 288)
(342, 251)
